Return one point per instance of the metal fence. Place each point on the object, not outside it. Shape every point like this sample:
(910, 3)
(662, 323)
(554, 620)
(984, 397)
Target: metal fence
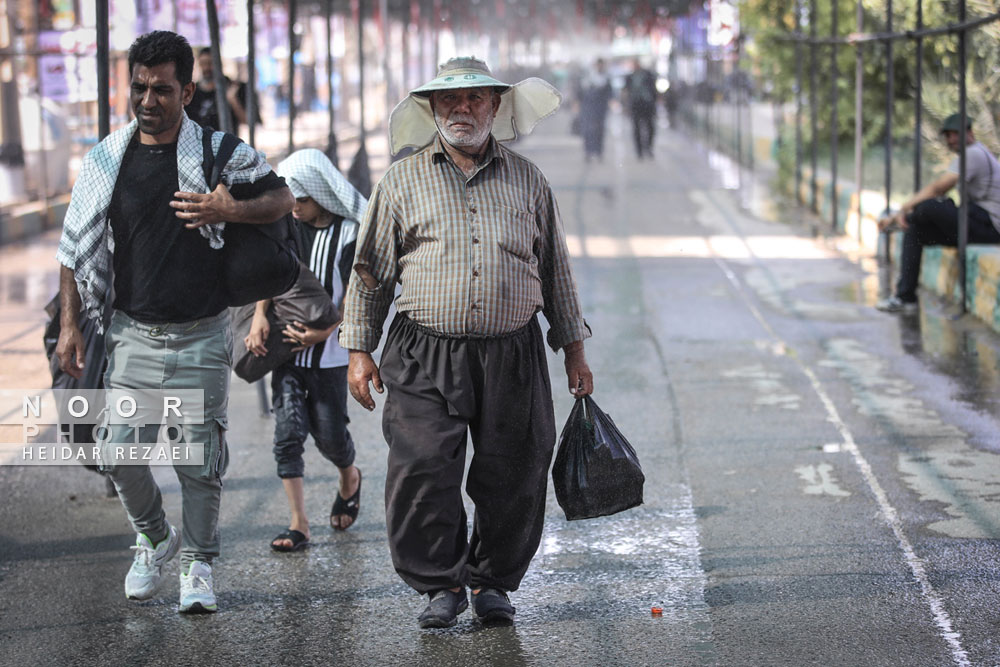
(809, 47)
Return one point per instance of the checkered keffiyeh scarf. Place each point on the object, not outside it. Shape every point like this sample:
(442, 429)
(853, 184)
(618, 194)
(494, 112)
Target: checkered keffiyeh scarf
(309, 173)
(87, 244)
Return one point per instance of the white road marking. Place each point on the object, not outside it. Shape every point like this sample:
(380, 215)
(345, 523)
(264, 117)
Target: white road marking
(932, 598)
(820, 481)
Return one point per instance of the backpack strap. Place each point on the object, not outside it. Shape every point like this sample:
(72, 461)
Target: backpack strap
(212, 165)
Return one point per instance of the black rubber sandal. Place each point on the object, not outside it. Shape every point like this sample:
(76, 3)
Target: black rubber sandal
(349, 507)
(297, 538)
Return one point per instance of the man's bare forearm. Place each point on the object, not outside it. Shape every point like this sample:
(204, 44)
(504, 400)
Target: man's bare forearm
(263, 209)
(69, 298)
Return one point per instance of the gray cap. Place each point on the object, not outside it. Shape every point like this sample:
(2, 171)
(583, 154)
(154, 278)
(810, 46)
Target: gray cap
(953, 123)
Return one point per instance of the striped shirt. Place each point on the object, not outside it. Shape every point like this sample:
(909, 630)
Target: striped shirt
(475, 255)
(331, 255)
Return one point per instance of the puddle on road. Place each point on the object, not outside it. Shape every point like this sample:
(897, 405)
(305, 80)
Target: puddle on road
(767, 385)
(940, 465)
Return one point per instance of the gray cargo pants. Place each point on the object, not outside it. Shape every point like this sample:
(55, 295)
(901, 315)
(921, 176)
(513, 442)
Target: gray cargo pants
(187, 355)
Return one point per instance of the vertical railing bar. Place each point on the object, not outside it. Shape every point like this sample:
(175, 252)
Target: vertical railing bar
(223, 115)
(835, 76)
(251, 75)
(963, 189)
(103, 71)
(918, 103)
(798, 104)
(291, 75)
(331, 140)
(813, 109)
(889, 94)
(859, 73)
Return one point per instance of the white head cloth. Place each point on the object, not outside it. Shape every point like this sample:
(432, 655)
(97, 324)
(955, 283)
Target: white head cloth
(309, 173)
(522, 105)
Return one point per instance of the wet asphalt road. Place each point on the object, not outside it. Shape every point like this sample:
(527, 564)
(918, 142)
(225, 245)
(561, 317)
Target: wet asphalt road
(822, 479)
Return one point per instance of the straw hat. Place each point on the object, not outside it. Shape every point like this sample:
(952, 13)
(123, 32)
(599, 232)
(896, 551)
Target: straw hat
(522, 105)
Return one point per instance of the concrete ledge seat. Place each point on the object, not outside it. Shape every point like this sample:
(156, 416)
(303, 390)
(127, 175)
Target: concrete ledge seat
(939, 274)
(23, 221)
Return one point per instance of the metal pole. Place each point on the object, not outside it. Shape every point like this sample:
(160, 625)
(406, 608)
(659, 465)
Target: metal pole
(386, 73)
(813, 111)
(361, 69)
(225, 119)
(918, 103)
(889, 94)
(963, 189)
(331, 140)
(834, 80)
(103, 72)
(859, 73)
(251, 75)
(291, 76)
(798, 104)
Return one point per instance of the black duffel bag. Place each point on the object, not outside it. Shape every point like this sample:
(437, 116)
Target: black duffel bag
(259, 261)
(596, 471)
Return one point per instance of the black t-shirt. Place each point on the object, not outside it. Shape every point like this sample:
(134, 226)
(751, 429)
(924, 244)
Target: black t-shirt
(164, 272)
(202, 107)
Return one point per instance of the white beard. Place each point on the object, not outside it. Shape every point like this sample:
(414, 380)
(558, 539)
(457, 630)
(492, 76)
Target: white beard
(463, 140)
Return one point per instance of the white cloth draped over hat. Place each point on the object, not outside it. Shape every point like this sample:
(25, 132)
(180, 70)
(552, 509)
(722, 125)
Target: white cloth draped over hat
(309, 173)
(522, 105)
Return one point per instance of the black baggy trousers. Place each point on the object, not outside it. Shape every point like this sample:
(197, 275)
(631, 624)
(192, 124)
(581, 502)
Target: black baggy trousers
(440, 389)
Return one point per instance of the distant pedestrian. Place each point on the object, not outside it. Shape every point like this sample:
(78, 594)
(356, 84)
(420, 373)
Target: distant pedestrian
(593, 94)
(202, 107)
(470, 232)
(640, 94)
(309, 391)
(169, 329)
(928, 218)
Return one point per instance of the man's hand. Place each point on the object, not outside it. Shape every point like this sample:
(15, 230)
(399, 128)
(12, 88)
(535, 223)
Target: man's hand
(303, 336)
(205, 209)
(578, 375)
(895, 221)
(361, 370)
(69, 351)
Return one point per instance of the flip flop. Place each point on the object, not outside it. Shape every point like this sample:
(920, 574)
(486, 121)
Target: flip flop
(349, 507)
(297, 538)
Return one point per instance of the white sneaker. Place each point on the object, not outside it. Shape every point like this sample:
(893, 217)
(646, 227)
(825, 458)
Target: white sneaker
(894, 304)
(147, 566)
(197, 596)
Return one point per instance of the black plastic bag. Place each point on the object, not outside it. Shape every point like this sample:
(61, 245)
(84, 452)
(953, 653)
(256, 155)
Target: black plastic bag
(596, 472)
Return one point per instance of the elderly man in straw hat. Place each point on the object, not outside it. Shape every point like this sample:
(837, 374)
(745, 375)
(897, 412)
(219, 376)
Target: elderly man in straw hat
(471, 232)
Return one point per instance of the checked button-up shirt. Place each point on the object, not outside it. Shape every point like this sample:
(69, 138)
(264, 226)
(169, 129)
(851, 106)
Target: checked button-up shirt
(476, 255)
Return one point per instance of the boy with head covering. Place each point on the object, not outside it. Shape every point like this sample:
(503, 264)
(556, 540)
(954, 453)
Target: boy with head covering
(309, 392)
(471, 232)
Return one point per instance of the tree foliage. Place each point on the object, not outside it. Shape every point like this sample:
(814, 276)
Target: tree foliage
(770, 25)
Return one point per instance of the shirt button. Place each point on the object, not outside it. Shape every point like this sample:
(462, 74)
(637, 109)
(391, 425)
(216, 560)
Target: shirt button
(472, 209)
(473, 306)
(475, 274)
(475, 240)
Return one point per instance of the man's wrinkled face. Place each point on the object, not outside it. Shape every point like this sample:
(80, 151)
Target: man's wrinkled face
(158, 98)
(464, 116)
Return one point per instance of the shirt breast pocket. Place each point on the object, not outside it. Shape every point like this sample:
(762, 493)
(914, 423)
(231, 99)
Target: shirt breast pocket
(518, 234)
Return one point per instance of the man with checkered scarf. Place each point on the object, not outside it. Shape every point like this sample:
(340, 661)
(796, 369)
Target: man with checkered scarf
(141, 254)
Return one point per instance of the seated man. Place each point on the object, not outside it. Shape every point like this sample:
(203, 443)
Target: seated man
(930, 219)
